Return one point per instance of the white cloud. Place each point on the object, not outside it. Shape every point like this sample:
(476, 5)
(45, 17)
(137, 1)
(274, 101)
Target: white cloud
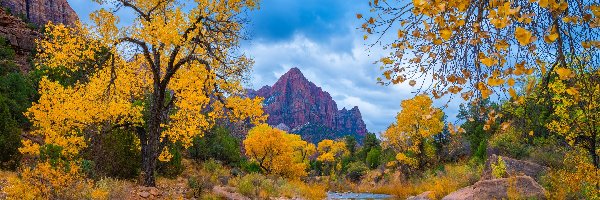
(348, 75)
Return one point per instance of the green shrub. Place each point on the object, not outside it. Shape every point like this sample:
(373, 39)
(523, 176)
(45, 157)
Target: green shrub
(373, 158)
(510, 143)
(10, 138)
(356, 170)
(216, 144)
(250, 167)
(200, 185)
(115, 154)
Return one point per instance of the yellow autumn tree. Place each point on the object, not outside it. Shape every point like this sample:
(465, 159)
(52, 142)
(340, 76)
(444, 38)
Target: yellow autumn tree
(278, 152)
(576, 107)
(477, 48)
(169, 75)
(414, 128)
(331, 152)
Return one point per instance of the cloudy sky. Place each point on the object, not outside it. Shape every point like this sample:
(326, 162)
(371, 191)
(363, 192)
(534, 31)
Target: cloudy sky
(320, 37)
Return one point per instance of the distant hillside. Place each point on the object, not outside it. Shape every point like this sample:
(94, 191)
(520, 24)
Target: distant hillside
(297, 105)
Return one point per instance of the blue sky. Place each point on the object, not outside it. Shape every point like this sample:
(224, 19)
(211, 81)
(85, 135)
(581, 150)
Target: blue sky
(320, 37)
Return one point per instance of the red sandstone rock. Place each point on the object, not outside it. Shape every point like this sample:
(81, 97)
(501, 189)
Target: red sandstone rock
(39, 12)
(19, 36)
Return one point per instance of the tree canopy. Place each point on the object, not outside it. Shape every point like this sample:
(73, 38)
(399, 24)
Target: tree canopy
(477, 48)
(170, 74)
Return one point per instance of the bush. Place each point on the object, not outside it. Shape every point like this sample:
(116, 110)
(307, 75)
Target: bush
(10, 138)
(548, 152)
(578, 179)
(499, 168)
(250, 167)
(19, 92)
(356, 170)
(258, 186)
(217, 144)
(373, 158)
(115, 154)
(510, 143)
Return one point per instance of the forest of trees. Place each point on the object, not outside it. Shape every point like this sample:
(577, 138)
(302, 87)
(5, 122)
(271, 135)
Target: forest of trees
(161, 103)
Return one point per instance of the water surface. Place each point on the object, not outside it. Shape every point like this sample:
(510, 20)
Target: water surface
(357, 196)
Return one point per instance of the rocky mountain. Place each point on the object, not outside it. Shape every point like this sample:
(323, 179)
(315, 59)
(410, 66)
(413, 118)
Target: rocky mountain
(298, 105)
(21, 37)
(39, 12)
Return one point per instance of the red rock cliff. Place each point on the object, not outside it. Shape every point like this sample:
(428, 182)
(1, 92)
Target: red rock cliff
(39, 12)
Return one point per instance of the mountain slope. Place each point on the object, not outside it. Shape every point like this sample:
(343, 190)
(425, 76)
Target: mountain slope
(296, 104)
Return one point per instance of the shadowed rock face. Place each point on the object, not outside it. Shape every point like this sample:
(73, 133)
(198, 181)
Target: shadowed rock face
(19, 36)
(306, 109)
(39, 12)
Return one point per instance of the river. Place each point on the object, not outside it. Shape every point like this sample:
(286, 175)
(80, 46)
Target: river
(357, 196)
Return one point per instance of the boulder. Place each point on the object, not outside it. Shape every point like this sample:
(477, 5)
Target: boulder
(144, 194)
(518, 187)
(423, 196)
(514, 167)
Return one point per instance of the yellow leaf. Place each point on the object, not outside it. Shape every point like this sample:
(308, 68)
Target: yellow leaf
(572, 91)
(543, 3)
(523, 36)
(512, 93)
(530, 133)
(511, 82)
(495, 82)
(564, 73)
(446, 34)
(400, 34)
(412, 82)
(386, 61)
(488, 61)
(586, 45)
(551, 38)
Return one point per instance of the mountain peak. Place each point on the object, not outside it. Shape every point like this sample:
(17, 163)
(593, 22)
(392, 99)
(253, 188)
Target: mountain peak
(307, 110)
(294, 73)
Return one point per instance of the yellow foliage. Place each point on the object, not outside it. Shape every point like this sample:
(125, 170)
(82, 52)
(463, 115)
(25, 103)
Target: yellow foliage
(506, 32)
(53, 181)
(278, 152)
(417, 122)
(578, 180)
(177, 65)
(523, 36)
(331, 151)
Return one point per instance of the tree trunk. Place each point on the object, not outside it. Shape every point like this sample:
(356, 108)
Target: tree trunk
(151, 141)
(422, 155)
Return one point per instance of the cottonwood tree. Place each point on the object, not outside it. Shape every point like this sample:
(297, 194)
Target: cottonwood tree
(169, 75)
(476, 48)
(413, 130)
(278, 152)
